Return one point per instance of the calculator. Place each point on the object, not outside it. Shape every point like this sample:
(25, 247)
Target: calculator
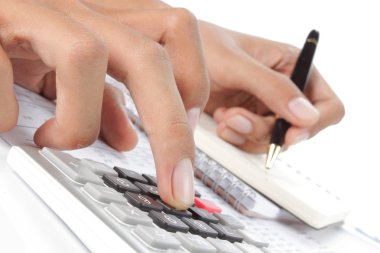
(114, 208)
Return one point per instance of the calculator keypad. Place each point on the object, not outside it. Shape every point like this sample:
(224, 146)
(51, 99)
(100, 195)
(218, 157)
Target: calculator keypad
(144, 202)
(200, 228)
(226, 233)
(195, 243)
(103, 194)
(149, 190)
(169, 222)
(170, 210)
(157, 238)
(130, 215)
(133, 200)
(120, 184)
(202, 214)
(192, 227)
(130, 175)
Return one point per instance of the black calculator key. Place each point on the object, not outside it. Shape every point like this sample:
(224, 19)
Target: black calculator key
(226, 233)
(202, 214)
(200, 228)
(130, 175)
(152, 180)
(168, 222)
(143, 202)
(148, 189)
(120, 184)
(171, 210)
(197, 194)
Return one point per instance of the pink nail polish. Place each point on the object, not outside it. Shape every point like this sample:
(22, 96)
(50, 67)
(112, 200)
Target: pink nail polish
(303, 109)
(183, 183)
(240, 124)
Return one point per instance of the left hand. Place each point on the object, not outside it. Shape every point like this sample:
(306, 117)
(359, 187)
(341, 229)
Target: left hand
(69, 60)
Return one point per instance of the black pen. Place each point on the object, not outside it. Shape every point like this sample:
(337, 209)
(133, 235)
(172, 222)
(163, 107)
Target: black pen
(299, 77)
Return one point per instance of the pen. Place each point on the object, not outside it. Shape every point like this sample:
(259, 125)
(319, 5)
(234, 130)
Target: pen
(299, 77)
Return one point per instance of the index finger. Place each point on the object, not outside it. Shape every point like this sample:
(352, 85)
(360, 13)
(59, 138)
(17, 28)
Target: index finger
(144, 66)
(274, 89)
(327, 103)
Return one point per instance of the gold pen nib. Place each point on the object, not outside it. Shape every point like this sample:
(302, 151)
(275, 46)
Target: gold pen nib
(273, 152)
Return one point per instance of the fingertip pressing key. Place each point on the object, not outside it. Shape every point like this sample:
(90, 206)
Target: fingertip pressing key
(183, 184)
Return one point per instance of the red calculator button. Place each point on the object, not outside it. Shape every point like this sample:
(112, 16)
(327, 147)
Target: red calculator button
(207, 205)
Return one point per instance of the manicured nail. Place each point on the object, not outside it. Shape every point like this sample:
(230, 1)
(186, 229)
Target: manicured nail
(302, 136)
(240, 124)
(193, 115)
(183, 183)
(303, 109)
(232, 137)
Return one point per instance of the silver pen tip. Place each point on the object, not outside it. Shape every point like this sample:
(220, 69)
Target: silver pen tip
(273, 152)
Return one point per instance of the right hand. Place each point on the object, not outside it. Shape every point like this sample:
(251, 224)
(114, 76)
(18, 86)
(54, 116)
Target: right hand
(251, 88)
(63, 49)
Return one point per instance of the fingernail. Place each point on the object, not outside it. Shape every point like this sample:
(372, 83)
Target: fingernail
(232, 137)
(240, 124)
(302, 136)
(303, 109)
(183, 183)
(193, 115)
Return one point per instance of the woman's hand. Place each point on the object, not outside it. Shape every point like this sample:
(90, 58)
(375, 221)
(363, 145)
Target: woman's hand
(250, 88)
(63, 49)
(250, 85)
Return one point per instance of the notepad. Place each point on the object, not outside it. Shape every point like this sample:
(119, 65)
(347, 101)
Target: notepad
(289, 187)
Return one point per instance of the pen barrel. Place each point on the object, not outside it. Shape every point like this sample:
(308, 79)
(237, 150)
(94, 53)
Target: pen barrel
(299, 77)
(279, 131)
(304, 62)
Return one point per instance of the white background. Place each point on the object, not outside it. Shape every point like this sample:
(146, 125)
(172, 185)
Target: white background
(348, 55)
(344, 155)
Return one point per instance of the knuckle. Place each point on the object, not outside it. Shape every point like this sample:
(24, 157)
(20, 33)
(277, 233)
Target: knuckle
(173, 135)
(176, 128)
(194, 83)
(287, 52)
(87, 47)
(181, 18)
(149, 50)
(290, 50)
